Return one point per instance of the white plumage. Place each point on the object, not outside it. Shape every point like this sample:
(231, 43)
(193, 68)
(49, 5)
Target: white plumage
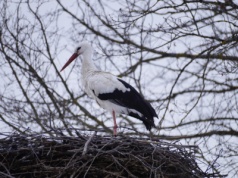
(110, 92)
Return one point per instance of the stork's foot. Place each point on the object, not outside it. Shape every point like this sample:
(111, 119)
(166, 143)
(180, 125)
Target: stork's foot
(115, 130)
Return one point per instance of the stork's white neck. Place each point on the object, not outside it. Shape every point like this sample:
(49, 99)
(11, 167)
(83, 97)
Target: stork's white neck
(87, 64)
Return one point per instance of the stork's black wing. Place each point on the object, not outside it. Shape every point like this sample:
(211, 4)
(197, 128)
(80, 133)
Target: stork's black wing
(131, 99)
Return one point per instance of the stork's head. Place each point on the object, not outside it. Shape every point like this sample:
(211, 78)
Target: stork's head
(83, 48)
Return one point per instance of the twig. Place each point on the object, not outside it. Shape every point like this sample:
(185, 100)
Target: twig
(85, 149)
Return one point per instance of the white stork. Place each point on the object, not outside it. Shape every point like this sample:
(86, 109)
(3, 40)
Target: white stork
(110, 92)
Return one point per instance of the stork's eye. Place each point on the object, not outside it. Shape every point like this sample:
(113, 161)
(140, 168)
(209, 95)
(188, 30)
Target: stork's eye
(78, 48)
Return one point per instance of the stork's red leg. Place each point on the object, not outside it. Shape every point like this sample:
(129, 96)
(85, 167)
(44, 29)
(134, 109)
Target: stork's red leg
(115, 124)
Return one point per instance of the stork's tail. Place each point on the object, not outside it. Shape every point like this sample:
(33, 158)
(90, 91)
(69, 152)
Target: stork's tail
(148, 122)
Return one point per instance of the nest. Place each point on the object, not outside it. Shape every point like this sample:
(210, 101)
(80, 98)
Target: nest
(95, 156)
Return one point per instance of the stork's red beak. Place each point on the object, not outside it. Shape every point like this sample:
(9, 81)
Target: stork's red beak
(74, 56)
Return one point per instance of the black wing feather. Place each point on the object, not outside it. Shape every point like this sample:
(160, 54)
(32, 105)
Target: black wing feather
(133, 100)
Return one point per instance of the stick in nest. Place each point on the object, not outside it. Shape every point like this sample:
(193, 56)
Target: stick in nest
(85, 149)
